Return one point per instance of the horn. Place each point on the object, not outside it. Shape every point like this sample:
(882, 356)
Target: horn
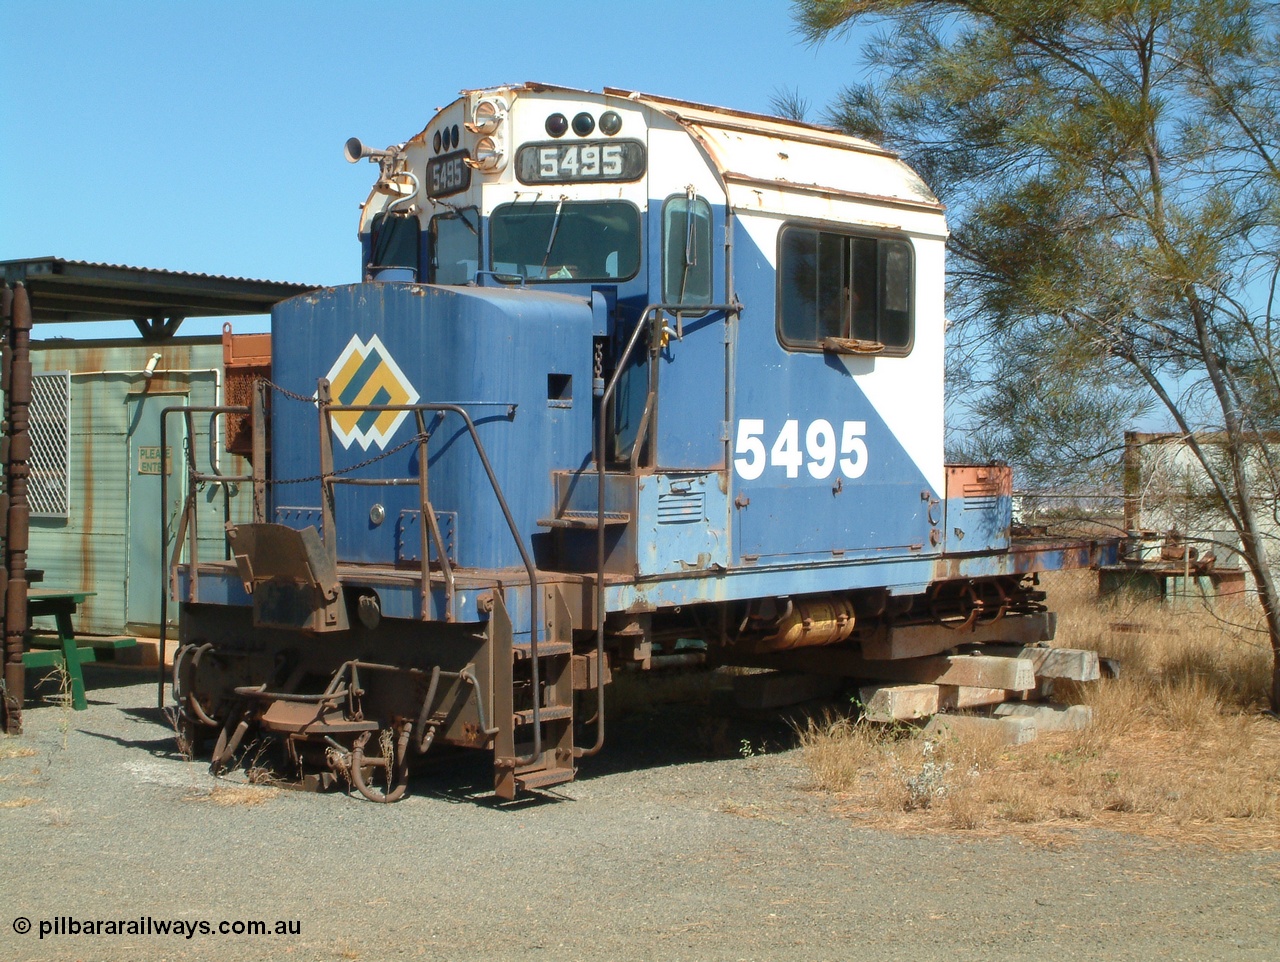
(355, 151)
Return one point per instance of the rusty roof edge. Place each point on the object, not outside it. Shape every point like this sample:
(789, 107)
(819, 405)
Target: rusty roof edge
(929, 204)
(728, 116)
(69, 291)
(732, 119)
(19, 269)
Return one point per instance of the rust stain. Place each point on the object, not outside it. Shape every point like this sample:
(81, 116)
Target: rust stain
(979, 480)
(84, 507)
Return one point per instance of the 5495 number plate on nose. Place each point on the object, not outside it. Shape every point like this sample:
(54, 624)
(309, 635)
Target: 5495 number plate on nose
(582, 161)
(448, 174)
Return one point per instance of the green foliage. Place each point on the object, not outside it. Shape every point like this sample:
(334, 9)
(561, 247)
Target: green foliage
(1112, 175)
(790, 103)
(1111, 172)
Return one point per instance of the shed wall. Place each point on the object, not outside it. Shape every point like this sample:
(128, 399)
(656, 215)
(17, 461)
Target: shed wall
(110, 541)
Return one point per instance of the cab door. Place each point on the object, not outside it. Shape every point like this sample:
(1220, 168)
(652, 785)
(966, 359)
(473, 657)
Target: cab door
(684, 502)
(692, 387)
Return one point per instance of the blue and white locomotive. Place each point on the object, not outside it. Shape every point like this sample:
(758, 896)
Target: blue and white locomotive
(623, 372)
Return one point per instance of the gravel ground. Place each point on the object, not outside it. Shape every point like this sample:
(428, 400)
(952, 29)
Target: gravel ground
(655, 853)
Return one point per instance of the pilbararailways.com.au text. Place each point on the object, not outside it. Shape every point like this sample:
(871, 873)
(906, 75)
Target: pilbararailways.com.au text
(147, 925)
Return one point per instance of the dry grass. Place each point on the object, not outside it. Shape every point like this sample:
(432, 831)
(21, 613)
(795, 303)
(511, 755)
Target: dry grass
(247, 796)
(1179, 746)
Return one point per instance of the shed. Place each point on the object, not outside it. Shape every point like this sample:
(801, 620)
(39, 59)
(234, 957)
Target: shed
(96, 459)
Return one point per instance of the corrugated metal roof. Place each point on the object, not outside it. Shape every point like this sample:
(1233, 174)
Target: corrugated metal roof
(66, 290)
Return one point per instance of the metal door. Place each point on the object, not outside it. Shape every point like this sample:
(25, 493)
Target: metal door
(145, 571)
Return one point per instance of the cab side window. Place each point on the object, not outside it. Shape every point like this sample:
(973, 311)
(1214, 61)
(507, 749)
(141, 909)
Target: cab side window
(393, 242)
(686, 250)
(841, 291)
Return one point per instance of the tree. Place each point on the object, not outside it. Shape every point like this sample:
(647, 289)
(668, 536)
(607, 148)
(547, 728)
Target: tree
(1112, 172)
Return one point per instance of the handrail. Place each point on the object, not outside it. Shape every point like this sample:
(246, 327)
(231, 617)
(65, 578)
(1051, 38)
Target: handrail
(429, 526)
(650, 411)
(326, 406)
(193, 477)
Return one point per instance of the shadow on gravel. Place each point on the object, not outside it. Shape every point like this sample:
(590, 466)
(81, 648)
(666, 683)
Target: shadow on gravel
(642, 733)
(158, 739)
(688, 733)
(653, 737)
(43, 685)
(164, 747)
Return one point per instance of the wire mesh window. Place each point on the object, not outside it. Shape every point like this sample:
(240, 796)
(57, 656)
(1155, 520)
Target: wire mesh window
(48, 489)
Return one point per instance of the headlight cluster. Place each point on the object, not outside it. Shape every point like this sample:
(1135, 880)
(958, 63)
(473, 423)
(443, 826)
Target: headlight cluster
(584, 124)
(445, 139)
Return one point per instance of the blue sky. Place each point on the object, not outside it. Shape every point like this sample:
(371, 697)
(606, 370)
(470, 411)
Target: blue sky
(208, 137)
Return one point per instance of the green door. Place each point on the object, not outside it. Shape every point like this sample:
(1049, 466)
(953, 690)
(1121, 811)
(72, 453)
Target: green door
(145, 580)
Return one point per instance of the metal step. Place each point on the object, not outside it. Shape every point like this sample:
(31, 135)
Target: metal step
(546, 649)
(585, 519)
(544, 778)
(551, 713)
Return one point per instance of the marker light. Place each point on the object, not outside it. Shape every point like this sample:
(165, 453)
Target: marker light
(435, 142)
(557, 124)
(488, 114)
(583, 124)
(610, 122)
(488, 155)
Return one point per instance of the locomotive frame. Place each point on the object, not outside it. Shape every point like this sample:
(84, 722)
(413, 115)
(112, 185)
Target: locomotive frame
(475, 542)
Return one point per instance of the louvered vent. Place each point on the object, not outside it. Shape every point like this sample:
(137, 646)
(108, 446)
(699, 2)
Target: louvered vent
(681, 507)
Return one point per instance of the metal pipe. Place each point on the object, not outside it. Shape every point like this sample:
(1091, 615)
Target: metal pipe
(468, 675)
(192, 506)
(258, 439)
(167, 575)
(421, 741)
(681, 659)
(326, 408)
(328, 521)
(429, 524)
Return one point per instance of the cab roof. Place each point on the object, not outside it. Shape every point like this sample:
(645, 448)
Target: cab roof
(756, 152)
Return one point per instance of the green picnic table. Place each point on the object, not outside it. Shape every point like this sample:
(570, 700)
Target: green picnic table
(61, 647)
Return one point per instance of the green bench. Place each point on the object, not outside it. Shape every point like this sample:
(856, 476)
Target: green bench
(61, 648)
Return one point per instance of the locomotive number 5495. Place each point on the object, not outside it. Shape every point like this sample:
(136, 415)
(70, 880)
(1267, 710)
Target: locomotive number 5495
(786, 452)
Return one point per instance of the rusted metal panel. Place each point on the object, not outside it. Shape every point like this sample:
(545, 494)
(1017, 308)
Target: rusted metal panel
(979, 480)
(979, 510)
(289, 573)
(245, 358)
